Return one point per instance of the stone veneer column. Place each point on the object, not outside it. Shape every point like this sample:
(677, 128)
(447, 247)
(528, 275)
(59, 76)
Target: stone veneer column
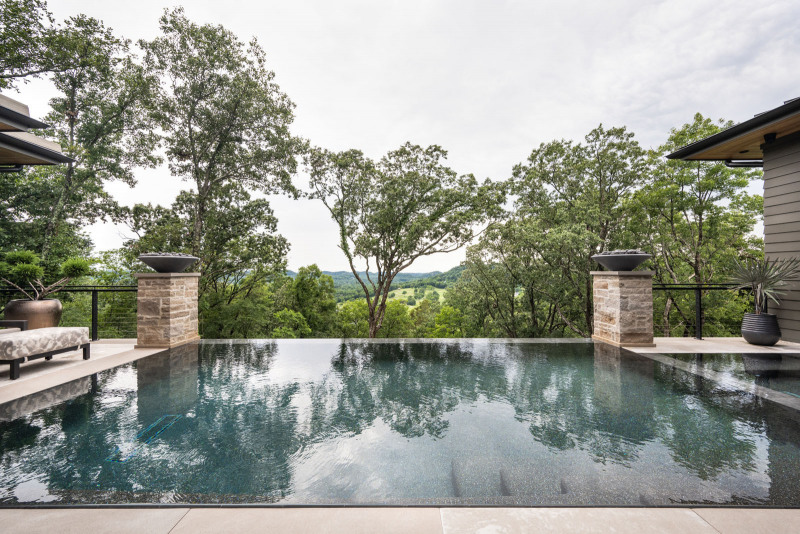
(166, 313)
(623, 308)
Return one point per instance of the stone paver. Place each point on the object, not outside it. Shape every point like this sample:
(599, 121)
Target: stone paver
(88, 520)
(740, 521)
(573, 520)
(311, 520)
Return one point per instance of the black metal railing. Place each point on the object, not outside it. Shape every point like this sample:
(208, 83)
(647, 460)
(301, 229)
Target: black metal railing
(118, 318)
(698, 298)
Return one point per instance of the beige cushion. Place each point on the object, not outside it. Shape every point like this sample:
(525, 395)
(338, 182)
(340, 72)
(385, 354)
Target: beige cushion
(9, 330)
(33, 342)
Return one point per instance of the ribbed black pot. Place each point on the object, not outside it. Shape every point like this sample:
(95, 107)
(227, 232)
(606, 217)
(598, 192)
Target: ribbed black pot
(761, 329)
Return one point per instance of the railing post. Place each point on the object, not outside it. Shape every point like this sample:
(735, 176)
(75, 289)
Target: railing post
(698, 309)
(95, 337)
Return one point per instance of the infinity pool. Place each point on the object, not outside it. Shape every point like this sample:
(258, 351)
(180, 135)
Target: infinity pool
(476, 422)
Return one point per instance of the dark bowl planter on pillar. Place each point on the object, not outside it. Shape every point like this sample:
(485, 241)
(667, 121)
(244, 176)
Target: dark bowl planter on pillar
(168, 262)
(44, 313)
(761, 329)
(621, 260)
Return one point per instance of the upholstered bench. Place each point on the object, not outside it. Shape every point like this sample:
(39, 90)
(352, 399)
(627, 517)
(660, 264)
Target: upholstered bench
(27, 345)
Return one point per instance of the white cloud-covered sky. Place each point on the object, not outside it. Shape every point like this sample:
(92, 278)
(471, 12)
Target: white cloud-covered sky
(487, 80)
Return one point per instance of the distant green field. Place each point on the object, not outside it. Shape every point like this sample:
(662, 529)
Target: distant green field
(405, 293)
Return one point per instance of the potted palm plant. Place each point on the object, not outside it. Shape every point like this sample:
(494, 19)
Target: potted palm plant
(21, 270)
(765, 278)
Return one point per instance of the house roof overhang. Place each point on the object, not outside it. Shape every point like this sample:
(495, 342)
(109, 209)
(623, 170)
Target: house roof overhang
(15, 117)
(742, 144)
(21, 148)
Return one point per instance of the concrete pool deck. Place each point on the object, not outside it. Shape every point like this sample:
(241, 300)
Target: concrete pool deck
(397, 520)
(41, 374)
(713, 345)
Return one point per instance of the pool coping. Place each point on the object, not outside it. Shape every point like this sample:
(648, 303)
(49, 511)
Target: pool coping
(445, 520)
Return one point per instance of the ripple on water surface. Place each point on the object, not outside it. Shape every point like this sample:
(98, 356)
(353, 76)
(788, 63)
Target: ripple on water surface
(471, 421)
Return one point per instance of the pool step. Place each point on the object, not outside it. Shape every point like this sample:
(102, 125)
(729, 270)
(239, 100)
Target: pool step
(476, 478)
(545, 484)
(539, 482)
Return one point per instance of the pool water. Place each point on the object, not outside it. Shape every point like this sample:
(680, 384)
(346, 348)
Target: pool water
(465, 422)
(776, 371)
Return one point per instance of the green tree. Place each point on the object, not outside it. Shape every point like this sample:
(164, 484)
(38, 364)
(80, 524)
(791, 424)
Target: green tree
(397, 322)
(697, 218)
(100, 121)
(448, 323)
(291, 324)
(575, 197)
(241, 251)
(353, 319)
(389, 214)
(424, 317)
(225, 121)
(314, 297)
(226, 131)
(31, 44)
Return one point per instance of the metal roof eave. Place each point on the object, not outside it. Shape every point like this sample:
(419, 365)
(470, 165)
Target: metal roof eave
(19, 121)
(759, 121)
(20, 146)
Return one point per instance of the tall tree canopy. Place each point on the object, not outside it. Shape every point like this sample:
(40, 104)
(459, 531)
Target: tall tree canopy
(696, 217)
(31, 44)
(390, 213)
(225, 127)
(98, 117)
(572, 203)
(225, 121)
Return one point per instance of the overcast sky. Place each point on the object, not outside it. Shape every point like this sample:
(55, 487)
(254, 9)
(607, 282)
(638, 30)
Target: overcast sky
(487, 80)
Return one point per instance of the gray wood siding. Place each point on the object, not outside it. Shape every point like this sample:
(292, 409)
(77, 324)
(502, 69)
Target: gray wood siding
(782, 221)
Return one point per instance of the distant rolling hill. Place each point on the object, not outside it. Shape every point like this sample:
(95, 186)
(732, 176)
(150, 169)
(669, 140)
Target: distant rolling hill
(348, 288)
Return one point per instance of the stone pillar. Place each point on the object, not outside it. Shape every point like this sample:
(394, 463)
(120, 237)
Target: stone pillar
(166, 313)
(623, 308)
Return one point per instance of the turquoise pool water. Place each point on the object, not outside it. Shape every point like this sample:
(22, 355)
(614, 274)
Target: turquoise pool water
(462, 422)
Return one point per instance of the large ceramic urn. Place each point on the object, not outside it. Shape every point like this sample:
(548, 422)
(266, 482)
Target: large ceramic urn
(43, 313)
(761, 329)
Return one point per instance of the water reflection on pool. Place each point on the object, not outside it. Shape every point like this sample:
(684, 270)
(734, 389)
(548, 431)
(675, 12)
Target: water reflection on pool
(462, 422)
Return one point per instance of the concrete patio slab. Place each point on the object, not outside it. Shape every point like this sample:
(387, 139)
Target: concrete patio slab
(390, 520)
(574, 520)
(96, 521)
(41, 374)
(713, 345)
(311, 520)
(751, 521)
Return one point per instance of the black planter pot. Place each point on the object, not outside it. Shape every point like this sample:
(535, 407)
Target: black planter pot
(761, 328)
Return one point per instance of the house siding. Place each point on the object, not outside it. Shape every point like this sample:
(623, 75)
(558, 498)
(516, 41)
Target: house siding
(782, 221)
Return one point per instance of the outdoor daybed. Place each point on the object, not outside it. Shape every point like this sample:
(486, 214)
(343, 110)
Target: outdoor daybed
(17, 344)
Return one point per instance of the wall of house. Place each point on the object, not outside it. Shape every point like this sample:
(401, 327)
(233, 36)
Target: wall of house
(782, 220)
